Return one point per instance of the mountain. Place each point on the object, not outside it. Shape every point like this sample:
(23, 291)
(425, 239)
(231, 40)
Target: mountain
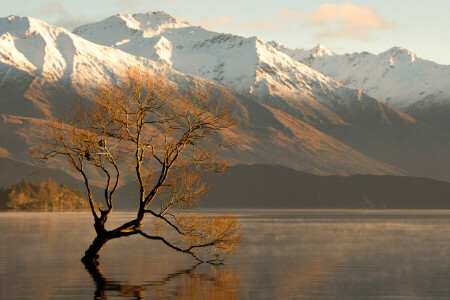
(264, 186)
(260, 70)
(286, 113)
(397, 77)
(247, 65)
(303, 55)
(44, 68)
(278, 187)
(44, 64)
(269, 186)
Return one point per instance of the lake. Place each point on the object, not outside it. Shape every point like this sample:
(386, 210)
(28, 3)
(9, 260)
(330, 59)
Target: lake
(285, 254)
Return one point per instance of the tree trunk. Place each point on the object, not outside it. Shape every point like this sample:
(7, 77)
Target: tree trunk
(92, 254)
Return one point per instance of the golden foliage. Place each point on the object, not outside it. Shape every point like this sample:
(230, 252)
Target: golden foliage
(143, 126)
(217, 235)
(44, 196)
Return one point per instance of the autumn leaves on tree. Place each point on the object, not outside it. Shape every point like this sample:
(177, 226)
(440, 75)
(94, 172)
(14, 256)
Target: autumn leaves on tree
(142, 127)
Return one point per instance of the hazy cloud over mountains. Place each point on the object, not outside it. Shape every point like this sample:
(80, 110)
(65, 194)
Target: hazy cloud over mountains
(332, 21)
(348, 21)
(59, 15)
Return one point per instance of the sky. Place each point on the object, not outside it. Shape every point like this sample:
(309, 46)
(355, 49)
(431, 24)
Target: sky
(422, 26)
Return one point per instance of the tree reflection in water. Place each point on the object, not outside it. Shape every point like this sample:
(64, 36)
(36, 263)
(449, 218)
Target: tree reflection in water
(215, 282)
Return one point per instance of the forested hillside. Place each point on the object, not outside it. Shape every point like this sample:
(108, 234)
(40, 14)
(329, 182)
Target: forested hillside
(41, 196)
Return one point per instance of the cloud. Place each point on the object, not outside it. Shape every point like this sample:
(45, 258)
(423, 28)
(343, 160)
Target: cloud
(347, 21)
(332, 21)
(56, 14)
(49, 9)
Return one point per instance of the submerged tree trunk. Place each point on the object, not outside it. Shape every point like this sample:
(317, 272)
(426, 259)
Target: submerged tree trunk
(92, 254)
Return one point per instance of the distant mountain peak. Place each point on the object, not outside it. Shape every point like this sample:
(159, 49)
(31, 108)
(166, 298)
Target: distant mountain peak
(308, 121)
(396, 76)
(22, 27)
(122, 27)
(277, 45)
(152, 20)
(400, 53)
(303, 55)
(320, 50)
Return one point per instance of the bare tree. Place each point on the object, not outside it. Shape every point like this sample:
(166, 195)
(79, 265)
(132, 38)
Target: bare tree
(143, 127)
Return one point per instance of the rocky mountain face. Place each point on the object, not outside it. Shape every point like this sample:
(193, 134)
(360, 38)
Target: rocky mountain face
(287, 80)
(286, 113)
(397, 77)
(37, 85)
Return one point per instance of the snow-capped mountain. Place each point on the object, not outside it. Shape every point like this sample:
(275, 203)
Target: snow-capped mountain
(56, 54)
(258, 69)
(303, 55)
(397, 77)
(121, 28)
(286, 113)
(43, 68)
(247, 65)
(35, 56)
(224, 58)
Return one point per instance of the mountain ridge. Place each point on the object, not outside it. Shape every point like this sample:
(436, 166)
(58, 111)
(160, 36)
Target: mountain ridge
(397, 77)
(279, 187)
(325, 127)
(266, 134)
(255, 68)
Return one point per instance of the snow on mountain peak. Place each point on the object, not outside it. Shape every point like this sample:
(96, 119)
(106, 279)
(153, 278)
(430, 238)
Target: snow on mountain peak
(400, 54)
(248, 65)
(151, 21)
(158, 19)
(55, 54)
(303, 55)
(22, 27)
(163, 51)
(319, 50)
(277, 45)
(397, 76)
(34, 46)
(122, 27)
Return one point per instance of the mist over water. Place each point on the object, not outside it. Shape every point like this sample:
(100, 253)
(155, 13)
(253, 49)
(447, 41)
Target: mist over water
(285, 254)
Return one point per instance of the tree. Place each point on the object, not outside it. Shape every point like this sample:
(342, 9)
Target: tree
(142, 127)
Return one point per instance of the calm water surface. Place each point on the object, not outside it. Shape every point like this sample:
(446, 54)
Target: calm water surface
(291, 254)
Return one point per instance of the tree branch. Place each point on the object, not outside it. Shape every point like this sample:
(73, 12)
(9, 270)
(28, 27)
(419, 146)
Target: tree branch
(151, 237)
